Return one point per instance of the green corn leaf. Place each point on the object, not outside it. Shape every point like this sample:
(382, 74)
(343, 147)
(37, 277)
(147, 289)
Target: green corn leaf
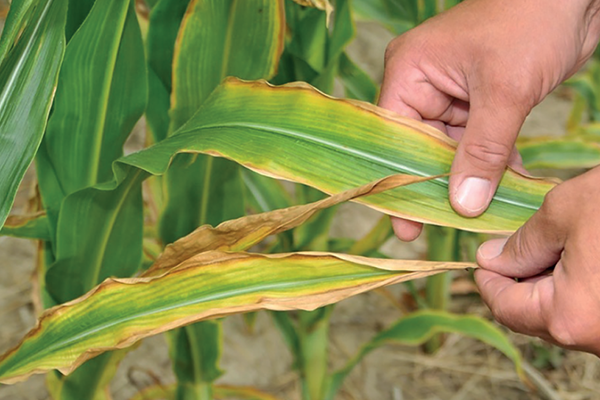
(165, 20)
(308, 34)
(19, 16)
(313, 333)
(86, 256)
(219, 39)
(295, 133)
(267, 194)
(89, 381)
(561, 153)
(28, 73)
(101, 94)
(106, 54)
(77, 12)
(374, 239)
(195, 351)
(28, 226)
(357, 84)
(343, 30)
(216, 39)
(416, 328)
(383, 12)
(120, 312)
(247, 38)
(283, 321)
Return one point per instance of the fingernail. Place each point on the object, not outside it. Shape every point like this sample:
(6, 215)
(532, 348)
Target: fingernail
(491, 249)
(473, 193)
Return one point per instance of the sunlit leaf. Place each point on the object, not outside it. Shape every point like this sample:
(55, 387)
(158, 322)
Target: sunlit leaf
(28, 73)
(295, 133)
(120, 312)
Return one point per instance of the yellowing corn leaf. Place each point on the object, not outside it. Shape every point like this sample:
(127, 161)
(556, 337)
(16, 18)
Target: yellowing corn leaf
(243, 233)
(120, 312)
(296, 133)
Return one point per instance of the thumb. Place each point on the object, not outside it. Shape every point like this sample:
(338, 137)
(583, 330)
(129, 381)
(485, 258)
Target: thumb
(483, 153)
(535, 247)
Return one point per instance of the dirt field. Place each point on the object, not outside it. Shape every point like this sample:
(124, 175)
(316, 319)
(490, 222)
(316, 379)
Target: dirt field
(463, 369)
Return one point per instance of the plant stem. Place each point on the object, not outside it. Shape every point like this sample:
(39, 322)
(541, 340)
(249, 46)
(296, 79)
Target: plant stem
(442, 245)
(314, 341)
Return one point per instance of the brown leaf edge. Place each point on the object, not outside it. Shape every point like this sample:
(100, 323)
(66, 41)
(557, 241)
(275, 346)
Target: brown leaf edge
(415, 269)
(242, 233)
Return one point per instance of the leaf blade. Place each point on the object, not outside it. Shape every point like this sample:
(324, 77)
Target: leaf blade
(211, 284)
(30, 74)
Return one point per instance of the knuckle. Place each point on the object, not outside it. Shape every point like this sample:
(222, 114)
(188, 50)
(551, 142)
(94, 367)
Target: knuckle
(521, 247)
(550, 207)
(488, 155)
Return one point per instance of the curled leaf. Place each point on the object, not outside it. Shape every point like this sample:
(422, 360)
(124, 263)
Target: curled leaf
(242, 233)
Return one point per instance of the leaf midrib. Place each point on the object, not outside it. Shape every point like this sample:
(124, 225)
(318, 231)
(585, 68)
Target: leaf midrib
(261, 287)
(343, 149)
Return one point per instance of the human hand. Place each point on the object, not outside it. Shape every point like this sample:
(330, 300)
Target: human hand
(561, 307)
(475, 72)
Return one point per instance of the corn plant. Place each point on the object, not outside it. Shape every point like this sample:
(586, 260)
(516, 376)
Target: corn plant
(158, 240)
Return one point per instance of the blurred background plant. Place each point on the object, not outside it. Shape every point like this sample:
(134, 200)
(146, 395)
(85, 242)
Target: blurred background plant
(163, 59)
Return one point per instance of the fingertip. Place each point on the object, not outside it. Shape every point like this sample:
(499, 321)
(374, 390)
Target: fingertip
(470, 196)
(406, 230)
(489, 251)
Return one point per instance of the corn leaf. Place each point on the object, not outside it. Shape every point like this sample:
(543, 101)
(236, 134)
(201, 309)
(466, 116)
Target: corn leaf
(195, 352)
(243, 233)
(120, 312)
(113, 98)
(168, 306)
(27, 226)
(416, 328)
(77, 12)
(398, 17)
(357, 84)
(561, 153)
(19, 16)
(165, 20)
(216, 39)
(101, 95)
(28, 73)
(295, 133)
